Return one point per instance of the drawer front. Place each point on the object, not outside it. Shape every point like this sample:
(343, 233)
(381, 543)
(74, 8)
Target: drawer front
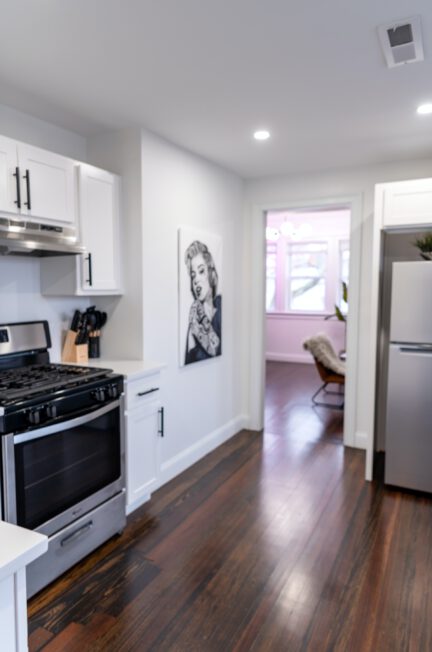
(76, 541)
(139, 392)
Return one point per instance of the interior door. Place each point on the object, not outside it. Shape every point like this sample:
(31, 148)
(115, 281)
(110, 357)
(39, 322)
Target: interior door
(9, 179)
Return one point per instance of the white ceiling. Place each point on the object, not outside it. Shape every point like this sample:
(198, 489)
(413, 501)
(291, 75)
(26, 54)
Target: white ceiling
(206, 73)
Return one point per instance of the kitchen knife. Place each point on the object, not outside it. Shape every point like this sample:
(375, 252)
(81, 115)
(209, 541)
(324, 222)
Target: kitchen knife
(82, 337)
(75, 323)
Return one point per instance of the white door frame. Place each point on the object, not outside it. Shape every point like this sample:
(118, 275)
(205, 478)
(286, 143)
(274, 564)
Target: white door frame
(257, 308)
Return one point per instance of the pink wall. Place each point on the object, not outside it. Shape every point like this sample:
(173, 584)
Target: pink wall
(285, 332)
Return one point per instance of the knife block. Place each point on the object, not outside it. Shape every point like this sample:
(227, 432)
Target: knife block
(74, 352)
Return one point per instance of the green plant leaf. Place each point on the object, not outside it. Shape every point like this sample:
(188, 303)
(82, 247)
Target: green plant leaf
(344, 291)
(424, 243)
(339, 314)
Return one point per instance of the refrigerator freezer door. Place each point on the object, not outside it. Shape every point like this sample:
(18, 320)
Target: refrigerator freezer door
(408, 459)
(411, 302)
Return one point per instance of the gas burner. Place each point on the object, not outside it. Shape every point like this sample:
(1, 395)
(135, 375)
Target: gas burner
(23, 382)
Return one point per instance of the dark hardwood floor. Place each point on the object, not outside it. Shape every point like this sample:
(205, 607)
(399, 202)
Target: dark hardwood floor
(274, 542)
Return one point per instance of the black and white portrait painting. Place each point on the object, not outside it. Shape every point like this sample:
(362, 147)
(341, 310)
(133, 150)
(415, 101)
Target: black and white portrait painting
(200, 295)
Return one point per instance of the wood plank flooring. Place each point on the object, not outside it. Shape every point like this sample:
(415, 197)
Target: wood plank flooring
(273, 542)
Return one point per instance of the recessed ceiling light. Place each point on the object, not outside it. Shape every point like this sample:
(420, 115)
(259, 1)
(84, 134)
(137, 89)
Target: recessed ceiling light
(424, 109)
(261, 134)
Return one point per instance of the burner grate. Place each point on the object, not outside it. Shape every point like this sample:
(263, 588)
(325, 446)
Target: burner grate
(22, 382)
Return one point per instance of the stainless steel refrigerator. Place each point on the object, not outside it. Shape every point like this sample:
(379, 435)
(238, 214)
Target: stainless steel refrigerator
(408, 441)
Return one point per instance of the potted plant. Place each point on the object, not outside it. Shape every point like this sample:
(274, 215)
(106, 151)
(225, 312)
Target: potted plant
(424, 245)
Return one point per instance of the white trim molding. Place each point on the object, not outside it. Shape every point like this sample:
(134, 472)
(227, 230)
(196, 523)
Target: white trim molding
(361, 441)
(302, 358)
(257, 314)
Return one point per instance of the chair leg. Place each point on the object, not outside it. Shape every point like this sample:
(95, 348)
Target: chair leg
(336, 406)
(337, 393)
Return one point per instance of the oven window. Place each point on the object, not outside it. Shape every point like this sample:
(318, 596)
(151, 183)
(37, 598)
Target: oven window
(57, 471)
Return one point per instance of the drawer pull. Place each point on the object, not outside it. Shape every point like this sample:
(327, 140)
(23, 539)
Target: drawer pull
(161, 430)
(149, 391)
(77, 534)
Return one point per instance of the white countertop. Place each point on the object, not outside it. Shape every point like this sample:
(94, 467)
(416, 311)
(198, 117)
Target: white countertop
(130, 369)
(18, 547)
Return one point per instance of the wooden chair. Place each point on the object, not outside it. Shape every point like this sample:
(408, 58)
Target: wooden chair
(330, 368)
(328, 377)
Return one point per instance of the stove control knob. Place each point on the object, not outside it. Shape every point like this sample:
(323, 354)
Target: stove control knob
(51, 411)
(112, 391)
(99, 395)
(34, 417)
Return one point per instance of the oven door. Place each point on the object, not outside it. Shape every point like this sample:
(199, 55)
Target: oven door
(55, 474)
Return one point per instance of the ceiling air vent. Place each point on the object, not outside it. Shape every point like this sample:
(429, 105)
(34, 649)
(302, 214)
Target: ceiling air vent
(401, 41)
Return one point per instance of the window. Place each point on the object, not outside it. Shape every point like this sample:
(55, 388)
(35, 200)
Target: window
(307, 259)
(306, 283)
(271, 276)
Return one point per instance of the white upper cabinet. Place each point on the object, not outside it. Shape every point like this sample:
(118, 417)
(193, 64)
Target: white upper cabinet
(405, 203)
(36, 184)
(97, 272)
(10, 182)
(47, 182)
(98, 193)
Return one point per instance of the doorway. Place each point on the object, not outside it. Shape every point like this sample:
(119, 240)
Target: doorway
(307, 277)
(257, 274)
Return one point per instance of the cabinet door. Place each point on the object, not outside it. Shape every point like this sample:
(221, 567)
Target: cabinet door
(407, 203)
(142, 427)
(47, 182)
(98, 203)
(9, 184)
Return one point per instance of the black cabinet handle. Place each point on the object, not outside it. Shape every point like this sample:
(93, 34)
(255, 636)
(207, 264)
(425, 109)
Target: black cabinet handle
(90, 271)
(27, 178)
(148, 391)
(161, 430)
(18, 187)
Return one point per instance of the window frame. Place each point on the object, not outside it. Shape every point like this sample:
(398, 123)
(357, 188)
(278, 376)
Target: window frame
(272, 249)
(333, 287)
(297, 244)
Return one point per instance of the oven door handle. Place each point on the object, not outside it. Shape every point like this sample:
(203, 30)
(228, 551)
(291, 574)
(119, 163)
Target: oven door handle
(65, 425)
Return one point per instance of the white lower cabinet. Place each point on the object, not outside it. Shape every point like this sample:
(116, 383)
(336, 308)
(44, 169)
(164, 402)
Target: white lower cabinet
(144, 431)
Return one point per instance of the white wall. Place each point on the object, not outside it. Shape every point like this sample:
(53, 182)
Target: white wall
(182, 189)
(26, 128)
(20, 298)
(120, 152)
(202, 401)
(312, 188)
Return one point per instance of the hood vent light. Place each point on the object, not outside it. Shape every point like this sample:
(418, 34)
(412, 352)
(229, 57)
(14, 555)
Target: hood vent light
(401, 41)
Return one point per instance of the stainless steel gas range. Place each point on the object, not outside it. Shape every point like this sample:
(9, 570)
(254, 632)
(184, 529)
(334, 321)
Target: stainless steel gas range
(62, 450)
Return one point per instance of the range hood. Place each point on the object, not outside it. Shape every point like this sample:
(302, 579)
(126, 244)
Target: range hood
(19, 238)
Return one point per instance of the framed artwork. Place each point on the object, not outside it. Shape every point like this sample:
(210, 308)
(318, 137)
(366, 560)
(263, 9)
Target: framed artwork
(200, 295)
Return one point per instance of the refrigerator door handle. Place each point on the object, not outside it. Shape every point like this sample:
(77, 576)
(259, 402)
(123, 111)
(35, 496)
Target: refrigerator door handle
(406, 348)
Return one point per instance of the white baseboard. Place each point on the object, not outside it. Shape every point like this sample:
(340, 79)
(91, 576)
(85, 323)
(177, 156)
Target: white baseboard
(360, 440)
(303, 358)
(183, 460)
